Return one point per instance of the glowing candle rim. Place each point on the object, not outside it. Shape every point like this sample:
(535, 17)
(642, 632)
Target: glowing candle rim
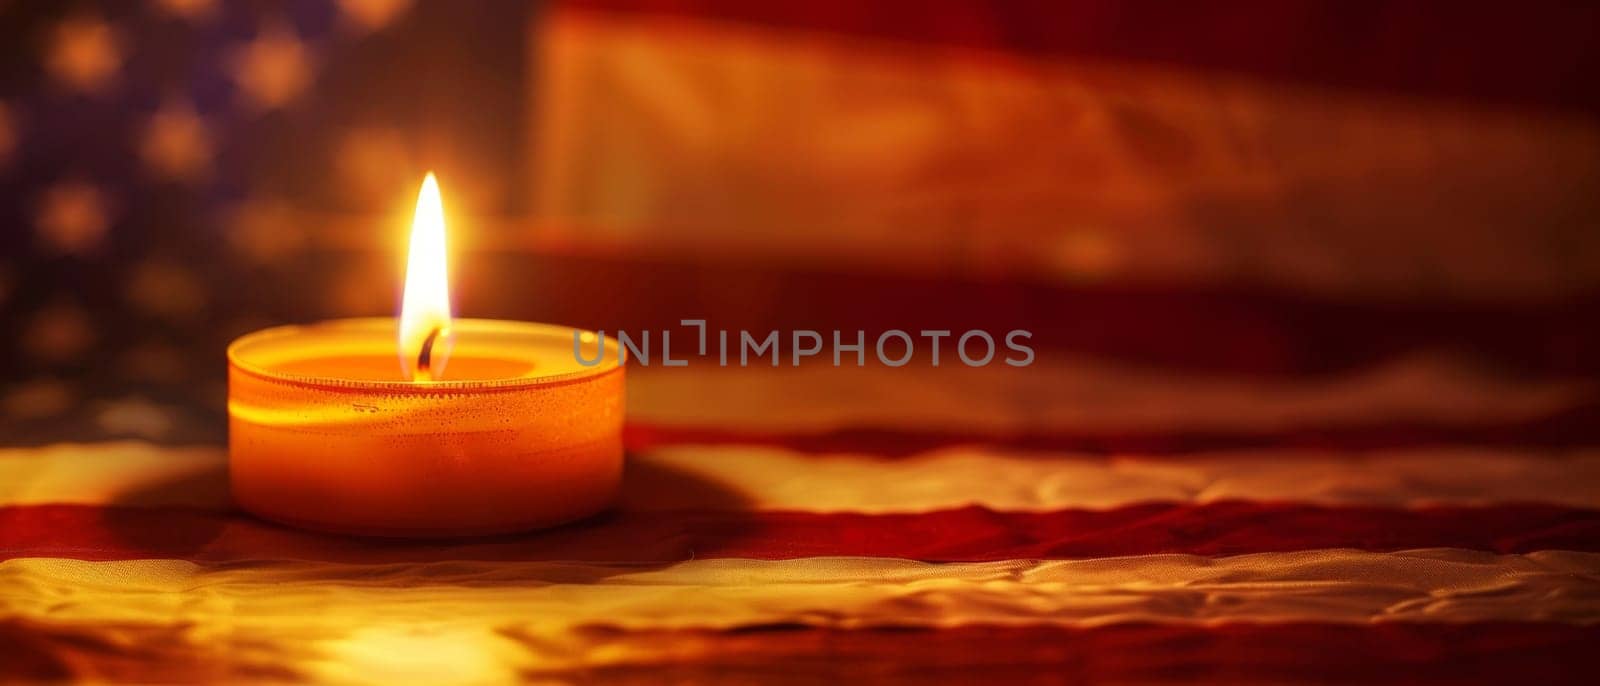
(611, 364)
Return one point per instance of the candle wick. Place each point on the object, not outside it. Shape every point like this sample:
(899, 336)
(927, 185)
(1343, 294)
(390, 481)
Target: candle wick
(425, 358)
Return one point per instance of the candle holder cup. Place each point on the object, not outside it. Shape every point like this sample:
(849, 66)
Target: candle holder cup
(323, 434)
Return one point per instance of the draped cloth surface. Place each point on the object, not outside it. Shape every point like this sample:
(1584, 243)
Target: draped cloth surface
(754, 542)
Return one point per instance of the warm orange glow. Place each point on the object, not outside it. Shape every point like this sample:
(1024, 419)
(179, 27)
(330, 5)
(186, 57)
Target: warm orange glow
(425, 311)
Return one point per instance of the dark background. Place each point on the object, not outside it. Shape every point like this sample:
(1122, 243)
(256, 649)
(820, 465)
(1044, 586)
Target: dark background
(123, 277)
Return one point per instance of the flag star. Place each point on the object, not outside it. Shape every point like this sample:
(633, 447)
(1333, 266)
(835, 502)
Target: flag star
(176, 144)
(265, 231)
(8, 134)
(84, 54)
(371, 15)
(37, 399)
(154, 362)
(58, 333)
(137, 417)
(189, 10)
(72, 217)
(273, 69)
(166, 290)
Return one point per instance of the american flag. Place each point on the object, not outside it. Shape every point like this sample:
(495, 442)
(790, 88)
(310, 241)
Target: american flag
(1314, 287)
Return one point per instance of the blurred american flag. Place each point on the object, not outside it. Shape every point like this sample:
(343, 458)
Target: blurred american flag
(177, 173)
(160, 161)
(1315, 288)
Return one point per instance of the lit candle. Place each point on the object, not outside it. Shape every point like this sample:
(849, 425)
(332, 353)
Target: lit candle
(481, 427)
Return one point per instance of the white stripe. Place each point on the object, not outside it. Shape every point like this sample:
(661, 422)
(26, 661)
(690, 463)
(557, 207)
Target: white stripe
(122, 473)
(778, 479)
(1321, 586)
(487, 622)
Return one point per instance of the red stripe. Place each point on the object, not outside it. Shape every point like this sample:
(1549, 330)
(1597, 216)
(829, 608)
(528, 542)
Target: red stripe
(1400, 653)
(1390, 653)
(1245, 333)
(1535, 52)
(966, 534)
(1253, 333)
(1576, 427)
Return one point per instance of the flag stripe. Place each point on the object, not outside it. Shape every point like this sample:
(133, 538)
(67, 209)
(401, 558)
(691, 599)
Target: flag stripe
(1254, 334)
(1390, 653)
(1394, 653)
(737, 478)
(1000, 166)
(1266, 38)
(166, 620)
(130, 473)
(1064, 396)
(1328, 586)
(964, 534)
(747, 477)
(1568, 428)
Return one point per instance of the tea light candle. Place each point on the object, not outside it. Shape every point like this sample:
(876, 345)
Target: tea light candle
(329, 430)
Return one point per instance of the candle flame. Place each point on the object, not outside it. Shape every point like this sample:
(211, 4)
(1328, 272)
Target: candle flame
(425, 310)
